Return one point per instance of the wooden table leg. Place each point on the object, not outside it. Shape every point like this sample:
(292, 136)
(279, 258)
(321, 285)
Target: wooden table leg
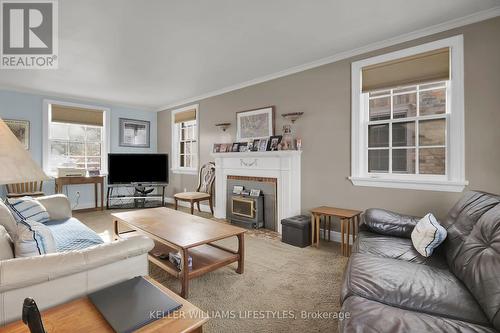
(354, 232)
(241, 253)
(313, 220)
(342, 246)
(95, 196)
(318, 218)
(324, 227)
(329, 227)
(348, 247)
(185, 274)
(115, 230)
(102, 195)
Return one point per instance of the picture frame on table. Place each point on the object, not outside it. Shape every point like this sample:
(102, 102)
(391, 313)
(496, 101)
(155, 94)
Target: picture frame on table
(274, 142)
(223, 148)
(255, 123)
(216, 148)
(21, 130)
(134, 133)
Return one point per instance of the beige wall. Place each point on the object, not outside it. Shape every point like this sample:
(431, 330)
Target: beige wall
(324, 95)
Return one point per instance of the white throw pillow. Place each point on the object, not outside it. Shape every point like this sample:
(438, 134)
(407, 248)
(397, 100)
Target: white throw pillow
(6, 245)
(33, 239)
(27, 208)
(427, 235)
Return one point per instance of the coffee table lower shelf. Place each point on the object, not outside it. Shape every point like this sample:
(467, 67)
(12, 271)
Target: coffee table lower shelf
(206, 258)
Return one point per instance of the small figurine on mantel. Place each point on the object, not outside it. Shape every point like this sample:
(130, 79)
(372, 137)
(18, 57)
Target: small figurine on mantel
(288, 142)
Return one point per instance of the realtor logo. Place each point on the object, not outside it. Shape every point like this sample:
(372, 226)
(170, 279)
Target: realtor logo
(29, 38)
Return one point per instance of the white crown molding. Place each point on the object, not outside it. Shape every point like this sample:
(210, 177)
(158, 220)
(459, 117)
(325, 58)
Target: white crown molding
(72, 98)
(448, 25)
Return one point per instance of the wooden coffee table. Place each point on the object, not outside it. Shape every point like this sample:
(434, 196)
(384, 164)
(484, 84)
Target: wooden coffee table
(81, 316)
(174, 231)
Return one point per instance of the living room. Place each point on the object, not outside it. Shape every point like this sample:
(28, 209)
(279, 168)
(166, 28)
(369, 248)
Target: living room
(250, 167)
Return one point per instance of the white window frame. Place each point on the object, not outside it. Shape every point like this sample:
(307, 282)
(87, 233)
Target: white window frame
(46, 118)
(454, 179)
(176, 168)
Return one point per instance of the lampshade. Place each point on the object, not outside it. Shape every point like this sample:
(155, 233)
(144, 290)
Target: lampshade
(16, 164)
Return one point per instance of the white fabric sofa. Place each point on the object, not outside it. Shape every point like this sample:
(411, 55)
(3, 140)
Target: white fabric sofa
(56, 278)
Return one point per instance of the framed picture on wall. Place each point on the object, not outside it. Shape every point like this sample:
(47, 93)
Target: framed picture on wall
(134, 133)
(255, 124)
(21, 130)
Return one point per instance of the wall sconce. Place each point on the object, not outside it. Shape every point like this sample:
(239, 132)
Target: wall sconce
(223, 126)
(292, 116)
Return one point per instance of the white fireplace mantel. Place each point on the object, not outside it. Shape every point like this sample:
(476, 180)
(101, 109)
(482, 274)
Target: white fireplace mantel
(283, 165)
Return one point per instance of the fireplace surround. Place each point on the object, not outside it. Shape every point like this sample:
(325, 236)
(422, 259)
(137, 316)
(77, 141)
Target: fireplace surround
(284, 166)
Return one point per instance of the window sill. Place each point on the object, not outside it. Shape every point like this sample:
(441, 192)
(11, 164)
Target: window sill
(411, 184)
(185, 171)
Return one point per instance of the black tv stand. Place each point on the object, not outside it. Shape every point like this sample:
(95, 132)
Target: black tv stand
(139, 198)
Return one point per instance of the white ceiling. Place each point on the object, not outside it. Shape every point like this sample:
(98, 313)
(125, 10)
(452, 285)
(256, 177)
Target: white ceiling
(156, 53)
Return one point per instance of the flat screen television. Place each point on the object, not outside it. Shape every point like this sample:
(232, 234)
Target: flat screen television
(137, 168)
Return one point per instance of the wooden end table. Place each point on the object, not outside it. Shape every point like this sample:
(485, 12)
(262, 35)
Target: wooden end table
(190, 235)
(81, 316)
(98, 182)
(346, 216)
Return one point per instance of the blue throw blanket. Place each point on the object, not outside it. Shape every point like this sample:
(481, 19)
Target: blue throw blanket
(71, 234)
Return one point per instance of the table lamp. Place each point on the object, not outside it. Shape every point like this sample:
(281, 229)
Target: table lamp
(16, 164)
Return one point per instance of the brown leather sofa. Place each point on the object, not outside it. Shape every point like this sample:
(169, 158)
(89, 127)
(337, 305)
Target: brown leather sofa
(389, 287)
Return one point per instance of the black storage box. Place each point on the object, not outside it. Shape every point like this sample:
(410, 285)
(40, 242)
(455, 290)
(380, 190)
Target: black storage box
(296, 230)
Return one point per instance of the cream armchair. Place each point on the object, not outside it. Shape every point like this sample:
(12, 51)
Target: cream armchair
(59, 277)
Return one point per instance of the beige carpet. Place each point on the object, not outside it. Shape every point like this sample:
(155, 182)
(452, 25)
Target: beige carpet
(280, 284)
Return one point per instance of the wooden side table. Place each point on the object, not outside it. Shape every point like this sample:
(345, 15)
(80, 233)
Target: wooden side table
(346, 216)
(60, 182)
(81, 316)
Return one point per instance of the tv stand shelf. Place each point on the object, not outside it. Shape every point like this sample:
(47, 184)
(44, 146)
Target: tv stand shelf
(139, 200)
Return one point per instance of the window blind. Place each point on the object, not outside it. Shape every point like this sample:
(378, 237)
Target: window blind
(75, 115)
(184, 116)
(424, 67)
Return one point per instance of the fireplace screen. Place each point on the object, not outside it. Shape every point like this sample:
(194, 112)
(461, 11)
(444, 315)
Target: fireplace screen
(243, 207)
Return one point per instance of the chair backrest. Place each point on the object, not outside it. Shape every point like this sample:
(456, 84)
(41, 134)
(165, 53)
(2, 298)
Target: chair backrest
(27, 188)
(207, 177)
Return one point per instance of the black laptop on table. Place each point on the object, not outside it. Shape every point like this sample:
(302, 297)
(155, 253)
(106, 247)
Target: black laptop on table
(132, 304)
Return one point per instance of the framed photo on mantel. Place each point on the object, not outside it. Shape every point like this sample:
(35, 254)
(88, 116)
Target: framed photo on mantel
(255, 124)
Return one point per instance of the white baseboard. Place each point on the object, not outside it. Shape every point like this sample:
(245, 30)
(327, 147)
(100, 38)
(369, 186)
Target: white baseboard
(204, 207)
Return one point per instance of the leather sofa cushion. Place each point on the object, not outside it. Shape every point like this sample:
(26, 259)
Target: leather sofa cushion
(395, 248)
(412, 287)
(478, 263)
(461, 220)
(368, 316)
(389, 223)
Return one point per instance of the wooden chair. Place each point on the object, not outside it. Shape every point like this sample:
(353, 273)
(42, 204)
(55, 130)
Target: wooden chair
(31, 189)
(203, 191)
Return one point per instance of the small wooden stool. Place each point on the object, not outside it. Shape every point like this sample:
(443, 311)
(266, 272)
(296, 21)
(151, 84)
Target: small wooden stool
(345, 215)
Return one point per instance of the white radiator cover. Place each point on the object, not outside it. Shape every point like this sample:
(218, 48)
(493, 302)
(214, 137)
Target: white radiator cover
(283, 165)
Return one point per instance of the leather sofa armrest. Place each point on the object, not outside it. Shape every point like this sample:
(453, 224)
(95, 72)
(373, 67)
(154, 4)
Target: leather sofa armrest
(22, 272)
(389, 223)
(58, 206)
